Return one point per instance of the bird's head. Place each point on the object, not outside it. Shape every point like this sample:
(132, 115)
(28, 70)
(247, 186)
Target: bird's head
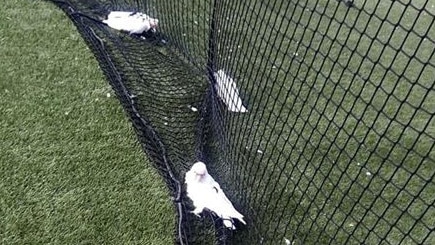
(199, 169)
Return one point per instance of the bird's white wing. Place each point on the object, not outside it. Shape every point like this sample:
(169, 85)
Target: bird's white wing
(227, 90)
(130, 21)
(221, 205)
(121, 24)
(120, 14)
(215, 186)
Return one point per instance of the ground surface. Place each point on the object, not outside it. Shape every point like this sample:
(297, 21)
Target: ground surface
(71, 170)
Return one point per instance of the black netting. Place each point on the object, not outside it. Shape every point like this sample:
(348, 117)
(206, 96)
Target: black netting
(337, 146)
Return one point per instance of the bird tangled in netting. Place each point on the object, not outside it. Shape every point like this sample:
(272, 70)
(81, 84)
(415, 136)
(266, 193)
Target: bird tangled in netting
(315, 118)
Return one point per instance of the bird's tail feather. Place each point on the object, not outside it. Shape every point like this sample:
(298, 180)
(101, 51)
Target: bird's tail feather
(239, 216)
(241, 220)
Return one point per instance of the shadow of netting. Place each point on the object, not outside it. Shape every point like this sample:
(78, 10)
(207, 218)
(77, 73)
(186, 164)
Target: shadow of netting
(337, 146)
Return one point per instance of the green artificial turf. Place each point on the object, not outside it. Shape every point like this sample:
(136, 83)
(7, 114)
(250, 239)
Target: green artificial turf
(337, 146)
(71, 170)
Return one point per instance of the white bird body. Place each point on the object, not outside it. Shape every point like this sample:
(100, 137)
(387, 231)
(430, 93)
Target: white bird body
(205, 192)
(132, 22)
(227, 90)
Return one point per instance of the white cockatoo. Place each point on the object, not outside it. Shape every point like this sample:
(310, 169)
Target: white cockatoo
(227, 90)
(206, 193)
(132, 22)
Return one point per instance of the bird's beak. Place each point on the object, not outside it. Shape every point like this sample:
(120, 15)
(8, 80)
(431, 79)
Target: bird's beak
(198, 177)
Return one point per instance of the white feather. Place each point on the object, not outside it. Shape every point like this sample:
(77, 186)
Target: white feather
(120, 14)
(132, 22)
(205, 192)
(227, 90)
